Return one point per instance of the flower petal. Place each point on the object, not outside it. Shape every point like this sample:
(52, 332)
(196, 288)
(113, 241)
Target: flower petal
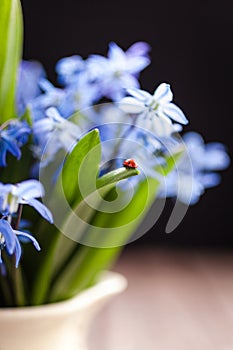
(216, 157)
(7, 231)
(41, 208)
(163, 93)
(18, 252)
(131, 105)
(140, 95)
(115, 52)
(210, 180)
(30, 237)
(29, 189)
(11, 146)
(137, 64)
(175, 113)
(138, 49)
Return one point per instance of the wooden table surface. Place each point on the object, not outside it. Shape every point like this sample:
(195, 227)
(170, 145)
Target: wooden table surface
(176, 300)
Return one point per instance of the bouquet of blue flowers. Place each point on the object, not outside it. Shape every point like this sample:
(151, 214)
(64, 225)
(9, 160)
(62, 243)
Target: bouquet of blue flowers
(99, 150)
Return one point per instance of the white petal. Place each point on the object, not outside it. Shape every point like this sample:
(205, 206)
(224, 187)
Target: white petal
(115, 52)
(131, 105)
(163, 93)
(136, 64)
(128, 80)
(162, 126)
(141, 95)
(29, 189)
(43, 126)
(53, 113)
(175, 113)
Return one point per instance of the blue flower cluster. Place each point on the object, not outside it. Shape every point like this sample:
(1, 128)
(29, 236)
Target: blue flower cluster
(196, 170)
(11, 198)
(133, 124)
(148, 121)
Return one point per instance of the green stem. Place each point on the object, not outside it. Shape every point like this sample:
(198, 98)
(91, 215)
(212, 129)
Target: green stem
(16, 285)
(20, 298)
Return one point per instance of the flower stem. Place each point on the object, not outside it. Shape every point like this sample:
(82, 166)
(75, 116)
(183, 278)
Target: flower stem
(19, 287)
(15, 282)
(19, 214)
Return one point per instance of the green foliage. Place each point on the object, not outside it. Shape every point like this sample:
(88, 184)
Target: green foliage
(11, 39)
(77, 183)
(106, 235)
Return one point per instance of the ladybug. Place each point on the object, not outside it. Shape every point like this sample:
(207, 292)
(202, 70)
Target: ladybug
(130, 164)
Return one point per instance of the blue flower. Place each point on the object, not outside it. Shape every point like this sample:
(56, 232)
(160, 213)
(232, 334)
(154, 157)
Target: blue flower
(196, 170)
(78, 95)
(151, 106)
(13, 135)
(119, 70)
(30, 72)
(10, 240)
(53, 133)
(51, 97)
(24, 192)
(68, 69)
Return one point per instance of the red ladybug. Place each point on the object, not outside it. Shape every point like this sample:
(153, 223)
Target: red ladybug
(130, 164)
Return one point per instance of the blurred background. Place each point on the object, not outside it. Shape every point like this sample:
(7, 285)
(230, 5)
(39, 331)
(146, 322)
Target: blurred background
(191, 49)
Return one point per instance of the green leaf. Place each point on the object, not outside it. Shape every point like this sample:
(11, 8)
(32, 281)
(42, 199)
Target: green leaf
(88, 262)
(110, 231)
(11, 38)
(170, 161)
(60, 198)
(82, 164)
(76, 188)
(84, 212)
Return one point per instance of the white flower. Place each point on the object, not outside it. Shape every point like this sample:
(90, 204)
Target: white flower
(151, 106)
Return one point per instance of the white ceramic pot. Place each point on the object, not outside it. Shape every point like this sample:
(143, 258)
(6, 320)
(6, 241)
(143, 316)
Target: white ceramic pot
(59, 326)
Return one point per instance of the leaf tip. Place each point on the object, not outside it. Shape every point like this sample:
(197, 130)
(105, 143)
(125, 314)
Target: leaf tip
(96, 131)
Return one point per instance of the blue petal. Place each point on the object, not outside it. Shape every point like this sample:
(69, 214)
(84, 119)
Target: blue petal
(216, 157)
(46, 86)
(41, 208)
(7, 231)
(2, 156)
(29, 237)
(175, 113)
(193, 139)
(27, 87)
(138, 49)
(211, 180)
(12, 147)
(18, 252)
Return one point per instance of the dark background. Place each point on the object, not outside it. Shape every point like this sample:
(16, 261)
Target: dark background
(191, 49)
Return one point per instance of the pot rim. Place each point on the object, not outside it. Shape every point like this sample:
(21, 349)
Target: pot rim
(110, 283)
